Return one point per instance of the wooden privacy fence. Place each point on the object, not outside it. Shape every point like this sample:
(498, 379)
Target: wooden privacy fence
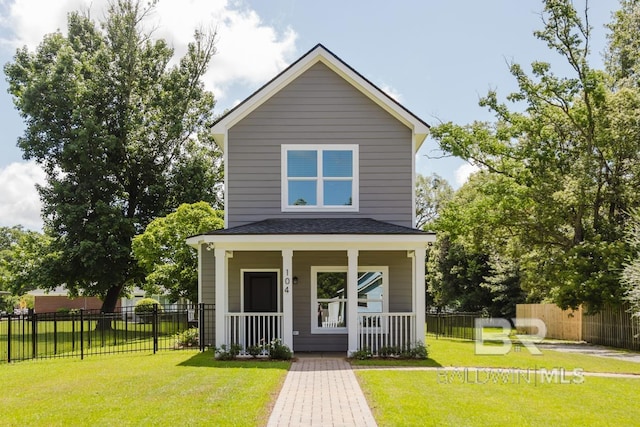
(561, 324)
(613, 326)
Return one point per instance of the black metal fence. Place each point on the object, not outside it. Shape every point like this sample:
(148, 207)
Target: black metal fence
(453, 325)
(85, 332)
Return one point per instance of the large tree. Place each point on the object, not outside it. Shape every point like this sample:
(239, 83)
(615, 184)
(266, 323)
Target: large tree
(118, 131)
(571, 145)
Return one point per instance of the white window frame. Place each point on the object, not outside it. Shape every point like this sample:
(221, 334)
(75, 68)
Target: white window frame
(315, 329)
(320, 207)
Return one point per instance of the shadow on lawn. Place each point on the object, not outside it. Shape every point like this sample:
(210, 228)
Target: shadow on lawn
(206, 359)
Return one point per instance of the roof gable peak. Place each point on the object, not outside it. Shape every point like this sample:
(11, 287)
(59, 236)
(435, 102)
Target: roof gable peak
(319, 53)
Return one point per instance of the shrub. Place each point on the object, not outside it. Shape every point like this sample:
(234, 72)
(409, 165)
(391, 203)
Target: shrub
(279, 351)
(419, 351)
(188, 338)
(362, 354)
(224, 353)
(388, 351)
(145, 306)
(255, 350)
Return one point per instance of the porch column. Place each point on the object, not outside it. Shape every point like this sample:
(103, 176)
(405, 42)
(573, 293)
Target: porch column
(419, 292)
(287, 298)
(221, 295)
(352, 301)
(200, 267)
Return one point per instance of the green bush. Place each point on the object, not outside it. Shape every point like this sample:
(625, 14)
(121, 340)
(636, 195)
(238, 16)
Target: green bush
(362, 354)
(279, 351)
(145, 306)
(388, 351)
(188, 338)
(419, 351)
(224, 353)
(255, 350)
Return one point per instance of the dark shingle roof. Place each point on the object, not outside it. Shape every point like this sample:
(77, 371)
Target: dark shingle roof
(318, 226)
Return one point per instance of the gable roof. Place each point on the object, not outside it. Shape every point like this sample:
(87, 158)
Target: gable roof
(321, 54)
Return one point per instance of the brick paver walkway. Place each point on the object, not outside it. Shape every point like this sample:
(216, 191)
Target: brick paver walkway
(321, 392)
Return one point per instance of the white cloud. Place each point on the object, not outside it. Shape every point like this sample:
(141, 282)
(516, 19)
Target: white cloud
(249, 51)
(392, 92)
(464, 171)
(19, 199)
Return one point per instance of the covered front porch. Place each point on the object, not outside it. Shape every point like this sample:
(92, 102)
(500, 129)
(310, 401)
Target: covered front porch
(315, 292)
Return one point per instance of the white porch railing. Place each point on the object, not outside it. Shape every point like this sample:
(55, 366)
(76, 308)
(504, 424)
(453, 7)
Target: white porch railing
(252, 329)
(378, 330)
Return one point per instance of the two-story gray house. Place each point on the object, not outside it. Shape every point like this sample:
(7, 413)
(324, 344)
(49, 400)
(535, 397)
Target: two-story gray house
(319, 248)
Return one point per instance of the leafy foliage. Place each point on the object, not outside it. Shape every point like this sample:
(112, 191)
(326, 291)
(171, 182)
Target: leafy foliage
(171, 265)
(23, 258)
(432, 194)
(631, 272)
(146, 306)
(563, 166)
(120, 134)
(187, 338)
(279, 351)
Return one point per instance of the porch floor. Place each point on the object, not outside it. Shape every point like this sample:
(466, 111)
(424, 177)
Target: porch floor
(321, 390)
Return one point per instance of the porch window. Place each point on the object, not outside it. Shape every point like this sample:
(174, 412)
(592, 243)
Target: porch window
(319, 177)
(329, 296)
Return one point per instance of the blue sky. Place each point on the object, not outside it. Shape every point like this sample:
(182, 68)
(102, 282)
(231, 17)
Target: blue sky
(436, 57)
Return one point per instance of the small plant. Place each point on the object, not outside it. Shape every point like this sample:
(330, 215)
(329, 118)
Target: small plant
(224, 353)
(279, 351)
(388, 351)
(188, 338)
(362, 354)
(419, 351)
(255, 350)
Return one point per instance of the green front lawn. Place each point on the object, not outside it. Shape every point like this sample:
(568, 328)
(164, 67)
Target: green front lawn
(168, 388)
(493, 396)
(410, 398)
(453, 352)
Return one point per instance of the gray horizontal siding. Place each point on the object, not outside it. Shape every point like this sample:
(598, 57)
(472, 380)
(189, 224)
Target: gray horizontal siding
(249, 260)
(319, 107)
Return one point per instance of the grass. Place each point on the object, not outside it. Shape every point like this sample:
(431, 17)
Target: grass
(486, 398)
(169, 388)
(405, 398)
(451, 352)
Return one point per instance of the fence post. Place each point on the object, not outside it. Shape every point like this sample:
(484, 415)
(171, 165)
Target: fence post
(201, 326)
(81, 334)
(9, 338)
(155, 328)
(34, 334)
(55, 334)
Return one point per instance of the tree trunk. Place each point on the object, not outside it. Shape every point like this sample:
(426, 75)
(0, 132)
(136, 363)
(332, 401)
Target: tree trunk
(109, 306)
(111, 299)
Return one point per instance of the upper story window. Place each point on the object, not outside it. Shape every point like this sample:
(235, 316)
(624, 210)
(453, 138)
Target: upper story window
(320, 177)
